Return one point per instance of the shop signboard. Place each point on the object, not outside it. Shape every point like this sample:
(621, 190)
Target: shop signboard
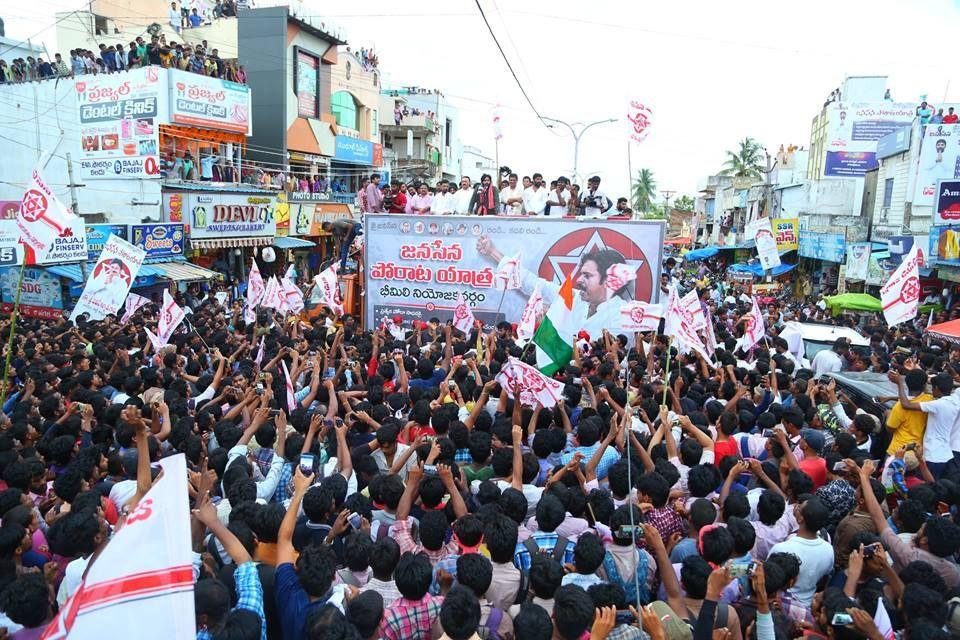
(786, 231)
(418, 266)
(158, 240)
(226, 215)
(829, 247)
(120, 116)
(946, 203)
(40, 294)
(201, 101)
(97, 235)
(353, 150)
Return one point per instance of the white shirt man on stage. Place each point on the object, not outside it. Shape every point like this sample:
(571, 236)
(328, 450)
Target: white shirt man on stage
(511, 197)
(535, 197)
(442, 199)
(461, 199)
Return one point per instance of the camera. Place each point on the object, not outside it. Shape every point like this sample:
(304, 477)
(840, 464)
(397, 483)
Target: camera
(590, 201)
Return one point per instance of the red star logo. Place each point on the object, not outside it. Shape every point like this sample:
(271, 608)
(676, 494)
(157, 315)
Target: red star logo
(34, 205)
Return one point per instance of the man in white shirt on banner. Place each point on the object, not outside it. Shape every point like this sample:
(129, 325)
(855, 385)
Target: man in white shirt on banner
(461, 199)
(511, 197)
(535, 197)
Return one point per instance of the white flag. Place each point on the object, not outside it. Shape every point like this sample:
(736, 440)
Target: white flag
(679, 326)
(125, 588)
(762, 233)
(507, 275)
(171, 315)
(48, 230)
(753, 328)
(249, 314)
(133, 303)
(640, 316)
(532, 312)
(291, 273)
(692, 307)
(900, 296)
(882, 619)
(292, 295)
(462, 315)
(255, 286)
(534, 386)
(110, 282)
(710, 336)
(330, 289)
(155, 340)
(291, 398)
(272, 296)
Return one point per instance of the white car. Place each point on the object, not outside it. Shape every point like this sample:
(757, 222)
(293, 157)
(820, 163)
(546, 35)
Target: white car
(806, 339)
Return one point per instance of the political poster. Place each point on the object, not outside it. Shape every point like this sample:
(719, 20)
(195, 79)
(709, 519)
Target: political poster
(202, 101)
(41, 295)
(120, 116)
(111, 279)
(786, 231)
(852, 133)
(858, 260)
(762, 233)
(939, 160)
(417, 266)
(49, 231)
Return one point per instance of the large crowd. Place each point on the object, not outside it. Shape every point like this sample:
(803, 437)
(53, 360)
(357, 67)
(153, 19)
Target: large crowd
(408, 495)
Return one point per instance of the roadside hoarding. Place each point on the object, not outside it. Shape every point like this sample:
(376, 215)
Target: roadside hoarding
(939, 160)
(786, 231)
(120, 116)
(40, 294)
(853, 130)
(417, 265)
(158, 240)
(830, 247)
(202, 101)
(223, 215)
(946, 204)
(98, 234)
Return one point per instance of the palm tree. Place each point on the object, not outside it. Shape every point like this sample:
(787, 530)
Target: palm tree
(644, 191)
(745, 162)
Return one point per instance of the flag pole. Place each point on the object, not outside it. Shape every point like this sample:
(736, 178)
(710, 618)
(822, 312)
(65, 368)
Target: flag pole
(666, 373)
(13, 328)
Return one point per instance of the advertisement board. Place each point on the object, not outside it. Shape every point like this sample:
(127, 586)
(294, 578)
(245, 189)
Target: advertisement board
(853, 130)
(349, 149)
(823, 246)
(786, 231)
(223, 215)
(97, 235)
(858, 260)
(939, 160)
(202, 101)
(158, 240)
(120, 116)
(306, 79)
(11, 251)
(945, 245)
(418, 265)
(946, 206)
(40, 295)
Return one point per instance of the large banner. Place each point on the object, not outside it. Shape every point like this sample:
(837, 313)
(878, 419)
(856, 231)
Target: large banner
(418, 265)
(853, 131)
(40, 292)
(939, 160)
(823, 246)
(98, 234)
(120, 116)
(858, 260)
(202, 101)
(786, 231)
(110, 282)
(762, 234)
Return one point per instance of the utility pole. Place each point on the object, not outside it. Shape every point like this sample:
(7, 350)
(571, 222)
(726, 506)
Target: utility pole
(667, 194)
(767, 186)
(75, 207)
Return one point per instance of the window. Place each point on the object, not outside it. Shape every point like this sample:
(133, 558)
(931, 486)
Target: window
(448, 132)
(887, 192)
(344, 109)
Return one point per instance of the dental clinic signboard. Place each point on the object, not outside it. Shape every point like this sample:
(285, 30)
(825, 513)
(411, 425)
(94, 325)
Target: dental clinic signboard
(202, 101)
(354, 151)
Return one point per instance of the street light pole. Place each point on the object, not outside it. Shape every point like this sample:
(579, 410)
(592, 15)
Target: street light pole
(576, 137)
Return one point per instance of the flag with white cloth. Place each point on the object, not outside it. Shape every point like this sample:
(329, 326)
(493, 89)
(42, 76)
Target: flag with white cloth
(532, 312)
(260, 350)
(171, 315)
(288, 383)
(132, 304)
(900, 296)
(255, 286)
(507, 275)
(640, 316)
(534, 386)
(753, 329)
(272, 295)
(292, 295)
(692, 307)
(679, 326)
(49, 231)
(463, 318)
(555, 335)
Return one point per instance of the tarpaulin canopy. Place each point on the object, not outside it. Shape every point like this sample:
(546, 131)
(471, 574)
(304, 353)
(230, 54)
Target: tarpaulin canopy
(757, 270)
(852, 302)
(701, 254)
(949, 331)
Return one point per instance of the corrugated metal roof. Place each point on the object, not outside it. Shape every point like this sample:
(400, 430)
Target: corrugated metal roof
(185, 271)
(286, 242)
(73, 273)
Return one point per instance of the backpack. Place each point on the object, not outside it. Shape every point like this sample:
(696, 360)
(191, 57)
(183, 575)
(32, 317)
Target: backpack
(559, 549)
(489, 630)
(612, 574)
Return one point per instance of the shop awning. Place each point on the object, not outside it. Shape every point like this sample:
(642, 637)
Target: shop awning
(701, 254)
(185, 271)
(757, 270)
(286, 242)
(949, 331)
(73, 273)
(230, 243)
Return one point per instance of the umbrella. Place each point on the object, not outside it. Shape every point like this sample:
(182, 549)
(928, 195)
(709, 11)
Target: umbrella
(949, 331)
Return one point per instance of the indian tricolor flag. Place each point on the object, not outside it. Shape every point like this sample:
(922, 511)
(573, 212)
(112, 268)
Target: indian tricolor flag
(554, 337)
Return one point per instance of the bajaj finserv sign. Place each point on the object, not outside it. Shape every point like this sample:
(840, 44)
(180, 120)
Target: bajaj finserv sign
(354, 151)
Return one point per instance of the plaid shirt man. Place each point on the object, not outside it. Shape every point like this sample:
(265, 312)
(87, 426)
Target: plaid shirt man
(263, 458)
(404, 537)
(249, 596)
(411, 619)
(283, 486)
(665, 519)
(796, 610)
(545, 542)
(462, 457)
(609, 457)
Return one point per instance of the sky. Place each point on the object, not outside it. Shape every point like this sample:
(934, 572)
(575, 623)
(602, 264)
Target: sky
(712, 75)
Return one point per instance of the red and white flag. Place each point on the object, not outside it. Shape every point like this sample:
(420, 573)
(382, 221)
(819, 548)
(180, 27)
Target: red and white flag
(710, 341)
(326, 280)
(259, 357)
(288, 383)
(532, 312)
(292, 295)
(640, 316)
(882, 619)
(679, 326)
(155, 340)
(753, 328)
(639, 118)
(171, 315)
(534, 386)
(124, 588)
(692, 307)
(272, 296)
(255, 286)
(463, 318)
(131, 305)
(900, 296)
(49, 231)
(497, 125)
(507, 275)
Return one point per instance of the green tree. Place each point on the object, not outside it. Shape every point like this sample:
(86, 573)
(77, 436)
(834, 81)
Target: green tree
(683, 203)
(746, 161)
(644, 191)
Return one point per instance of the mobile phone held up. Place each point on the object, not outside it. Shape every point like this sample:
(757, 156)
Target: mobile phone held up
(307, 462)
